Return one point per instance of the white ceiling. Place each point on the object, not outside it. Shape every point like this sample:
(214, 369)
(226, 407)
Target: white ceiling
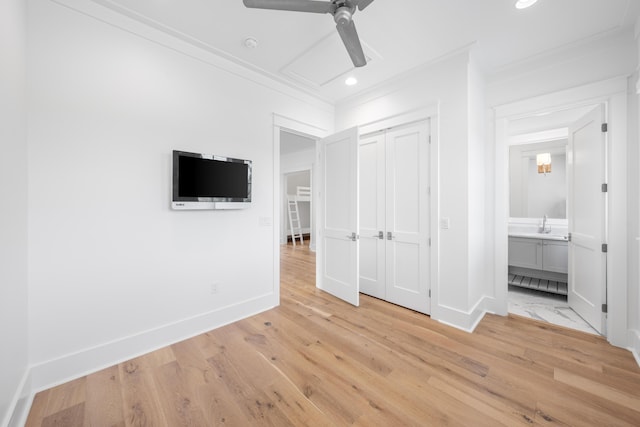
(303, 49)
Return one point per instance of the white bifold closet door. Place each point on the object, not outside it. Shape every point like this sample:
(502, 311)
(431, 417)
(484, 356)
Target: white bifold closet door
(394, 216)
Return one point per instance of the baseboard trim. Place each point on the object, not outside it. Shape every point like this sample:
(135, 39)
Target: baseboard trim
(69, 367)
(634, 344)
(18, 409)
(464, 320)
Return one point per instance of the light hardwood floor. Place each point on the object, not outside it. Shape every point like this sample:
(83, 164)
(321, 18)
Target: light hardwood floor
(316, 361)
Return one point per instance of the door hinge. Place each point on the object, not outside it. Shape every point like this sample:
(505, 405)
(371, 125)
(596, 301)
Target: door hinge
(605, 247)
(605, 187)
(605, 127)
(429, 241)
(429, 139)
(604, 308)
(429, 293)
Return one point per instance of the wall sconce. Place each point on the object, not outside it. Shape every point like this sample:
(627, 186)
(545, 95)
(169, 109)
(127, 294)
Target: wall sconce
(544, 163)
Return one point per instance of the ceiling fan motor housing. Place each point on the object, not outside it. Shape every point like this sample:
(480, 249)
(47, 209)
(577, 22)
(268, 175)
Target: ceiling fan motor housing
(342, 15)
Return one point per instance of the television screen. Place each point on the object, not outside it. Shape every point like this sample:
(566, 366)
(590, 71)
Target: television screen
(203, 181)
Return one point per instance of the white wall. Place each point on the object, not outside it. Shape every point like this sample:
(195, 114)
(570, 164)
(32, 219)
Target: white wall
(113, 270)
(445, 86)
(567, 67)
(13, 205)
(548, 192)
(532, 194)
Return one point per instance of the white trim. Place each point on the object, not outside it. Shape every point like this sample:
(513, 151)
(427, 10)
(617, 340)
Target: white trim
(544, 136)
(434, 208)
(307, 130)
(464, 320)
(299, 128)
(407, 117)
(634, 344)
(611, 92)
(19, 407)
(617, 224)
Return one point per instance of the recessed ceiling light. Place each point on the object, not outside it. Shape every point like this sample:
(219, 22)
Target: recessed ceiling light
(351, 81)
(523, 4)
(250, 43)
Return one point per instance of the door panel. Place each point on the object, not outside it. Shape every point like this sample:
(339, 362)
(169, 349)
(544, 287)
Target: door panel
(338, 263)
(586, 206)
(407, 217)
(372, 206)
(404, 170)
(405, 259)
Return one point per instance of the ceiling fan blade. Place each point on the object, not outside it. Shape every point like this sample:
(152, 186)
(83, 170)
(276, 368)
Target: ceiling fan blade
(362, 4)
(351, 41)
(293, 5)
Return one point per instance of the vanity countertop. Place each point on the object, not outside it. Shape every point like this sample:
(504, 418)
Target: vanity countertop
(542, 236)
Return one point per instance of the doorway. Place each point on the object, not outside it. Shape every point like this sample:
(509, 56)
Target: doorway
(555, 167)
(297, 163)
(612, 93)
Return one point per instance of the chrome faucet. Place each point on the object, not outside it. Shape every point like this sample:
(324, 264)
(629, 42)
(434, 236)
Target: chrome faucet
(543, 229)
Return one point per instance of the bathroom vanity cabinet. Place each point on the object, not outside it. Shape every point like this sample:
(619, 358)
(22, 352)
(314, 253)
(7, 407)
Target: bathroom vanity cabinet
(539, 263)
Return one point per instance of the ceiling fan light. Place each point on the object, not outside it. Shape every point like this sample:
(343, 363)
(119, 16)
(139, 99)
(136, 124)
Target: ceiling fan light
(523, 4)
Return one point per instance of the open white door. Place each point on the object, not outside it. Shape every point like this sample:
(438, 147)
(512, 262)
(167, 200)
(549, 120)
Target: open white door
(337, 268)
(586, 162)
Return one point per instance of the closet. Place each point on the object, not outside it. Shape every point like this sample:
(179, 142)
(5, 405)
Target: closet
(395, 215)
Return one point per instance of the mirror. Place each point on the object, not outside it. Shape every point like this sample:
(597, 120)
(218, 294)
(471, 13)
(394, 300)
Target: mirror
(534, 194)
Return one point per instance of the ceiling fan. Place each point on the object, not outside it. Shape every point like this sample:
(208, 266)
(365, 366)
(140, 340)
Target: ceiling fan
(342, 11)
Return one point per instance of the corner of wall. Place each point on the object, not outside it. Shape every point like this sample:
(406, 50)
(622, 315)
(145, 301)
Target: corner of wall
(459, 319)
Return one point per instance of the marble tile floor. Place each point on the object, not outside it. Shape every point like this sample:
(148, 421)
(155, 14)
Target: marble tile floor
(547, 307)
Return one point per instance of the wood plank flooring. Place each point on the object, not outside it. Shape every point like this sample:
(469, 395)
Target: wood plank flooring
(316, 361)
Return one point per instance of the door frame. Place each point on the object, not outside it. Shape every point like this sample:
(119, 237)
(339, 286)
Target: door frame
(287, 124)
(613, 94)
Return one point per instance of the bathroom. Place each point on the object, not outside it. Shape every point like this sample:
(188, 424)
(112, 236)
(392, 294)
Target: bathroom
(541, 177)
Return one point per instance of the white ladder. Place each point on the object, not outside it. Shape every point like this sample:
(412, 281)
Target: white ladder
(294, 220)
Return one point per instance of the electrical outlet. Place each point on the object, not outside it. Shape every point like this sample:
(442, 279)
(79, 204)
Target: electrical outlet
(214, 288)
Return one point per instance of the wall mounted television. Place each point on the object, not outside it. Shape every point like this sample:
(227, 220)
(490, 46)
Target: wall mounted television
(202, 181)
